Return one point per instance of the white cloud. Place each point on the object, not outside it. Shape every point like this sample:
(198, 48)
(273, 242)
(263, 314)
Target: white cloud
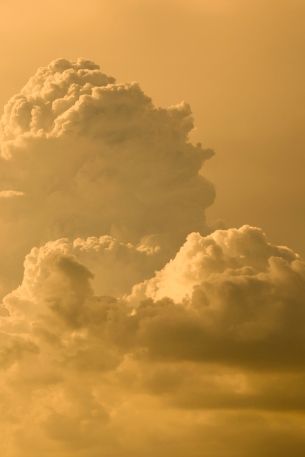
(10, 193)
(229, 343)
(99, 353)
(95, 157)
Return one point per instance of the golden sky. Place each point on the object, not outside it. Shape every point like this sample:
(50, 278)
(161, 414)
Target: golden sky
(238, 63)
(152, 228)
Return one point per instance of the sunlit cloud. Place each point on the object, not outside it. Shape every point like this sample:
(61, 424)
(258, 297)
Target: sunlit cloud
(127, 326)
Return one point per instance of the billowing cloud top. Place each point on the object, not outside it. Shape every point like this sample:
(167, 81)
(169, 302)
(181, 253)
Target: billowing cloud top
(50, 101)
(95, 157)
(132, 331)
(67, 98)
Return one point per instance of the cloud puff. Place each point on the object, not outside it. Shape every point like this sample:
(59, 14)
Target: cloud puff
(96, 157)
(48, 96)
(216, 335)
(117, 266)
(10, 193)
(240, 300)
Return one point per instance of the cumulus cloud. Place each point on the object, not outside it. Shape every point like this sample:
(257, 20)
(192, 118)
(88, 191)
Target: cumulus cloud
(95, 157)
(218, 333)
(132, 330)
(241, 301)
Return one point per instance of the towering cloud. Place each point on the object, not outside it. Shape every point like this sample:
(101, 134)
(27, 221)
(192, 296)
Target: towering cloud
(94, 157)
(134, 332)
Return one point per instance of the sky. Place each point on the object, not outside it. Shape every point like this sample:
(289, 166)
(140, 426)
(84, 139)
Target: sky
(151, 228)
(239, 64)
